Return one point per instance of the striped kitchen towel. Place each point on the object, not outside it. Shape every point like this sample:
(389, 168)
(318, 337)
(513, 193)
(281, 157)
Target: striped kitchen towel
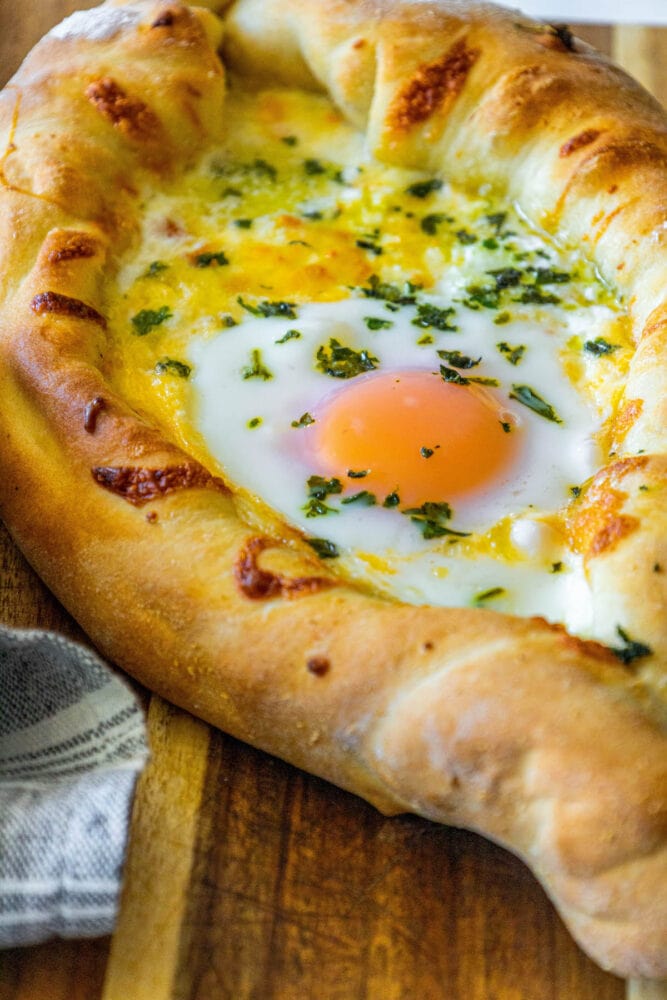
(72, 742)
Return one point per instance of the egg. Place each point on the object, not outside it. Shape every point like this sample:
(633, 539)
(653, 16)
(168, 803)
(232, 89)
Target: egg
(410, 376)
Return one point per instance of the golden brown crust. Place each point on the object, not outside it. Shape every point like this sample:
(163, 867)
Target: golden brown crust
(550, 745)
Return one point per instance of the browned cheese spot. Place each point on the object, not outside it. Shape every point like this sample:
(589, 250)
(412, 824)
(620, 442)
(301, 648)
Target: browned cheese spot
(72, 246)
(318, 665)
(598, 525)
(433, 87)
(625, 418)
(258, 584)
(91, 413)
(63, 305)
(584, 138)
(139, 485)
(128, 114)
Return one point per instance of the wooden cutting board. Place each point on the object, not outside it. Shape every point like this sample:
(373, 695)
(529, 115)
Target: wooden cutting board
(248, 880)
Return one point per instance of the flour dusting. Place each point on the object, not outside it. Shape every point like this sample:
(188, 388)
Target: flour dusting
(98, 24)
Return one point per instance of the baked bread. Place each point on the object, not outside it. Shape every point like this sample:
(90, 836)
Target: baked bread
(548, 743)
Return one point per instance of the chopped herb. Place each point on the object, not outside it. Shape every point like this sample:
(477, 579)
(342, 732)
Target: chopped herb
(547, 276)
(256, 369)
(513, 354)
(426, 452)
(323, 547)
(533, 296)
(556, 567)
(455, 378)
(290, 335)
(206, 259)
(364, 498)
(313, 167)
(481, 295)
(375, 323)
(497, 220)
(228, 320)
(391, 307)
(232, 192)
(321, 488)
(147, 319)
(491, 243)
(465, 238)
(156, 267)
(264, 169)
(304, 420)
(390, 293)
(391, 500)
(431, 518)
(255, 422)
(507, 427)
(432, 316)
(644, 488)
(315, 216)
(575, 491)
(343, 362)
(430, 223)
(502, 318)
(267, 309)
(600, 346)
(458, 360)
(423, 188)
(172, 367)
(528, 397)
(369, 245)
(317, 508)
(243, 223)
(489, 595)
(360, 474)
(289, 140)
(505, 277)
(631, 649)
(426, 339)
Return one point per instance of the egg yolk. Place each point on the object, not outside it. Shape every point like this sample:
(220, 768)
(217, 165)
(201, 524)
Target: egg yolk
(416, 435)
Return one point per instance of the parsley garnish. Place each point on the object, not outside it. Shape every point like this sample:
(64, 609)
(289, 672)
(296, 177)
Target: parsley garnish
(547, 276)
(173, 367)
(505, 277)
(528, 397)
(489, 595)
(156, 267)
(631, 649)
(364, 498)
(304, 420)
(513, 354)
(254, 422)
(289, 140)
(533, 296)
(575, 491)
(430, 223)
(370, 245)
(290, 335)
(432, 316)
(390, 293)
(317, 508)
(465, 238)
(502, 318)
(243, 223)
(256, 369)
(600, 346)
(431, 518)
(455, 378)
(321, 488)
(208, 258)
(391, 500)
(147, 319)
(313, 167)
(423, 188)
(426, 452)
(375, 323)
(458, 360)
(484, 296)
(323, 547)
(343, 362)
(267, 309)
(359, 474)
(497, 220)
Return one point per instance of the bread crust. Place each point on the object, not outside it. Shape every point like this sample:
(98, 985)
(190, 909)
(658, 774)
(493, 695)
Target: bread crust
(549, 745)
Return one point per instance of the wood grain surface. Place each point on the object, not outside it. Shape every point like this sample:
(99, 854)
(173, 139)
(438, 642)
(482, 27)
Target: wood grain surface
(248, 880)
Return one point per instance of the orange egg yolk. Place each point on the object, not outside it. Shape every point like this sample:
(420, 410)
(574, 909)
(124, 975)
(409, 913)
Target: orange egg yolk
(414, 434)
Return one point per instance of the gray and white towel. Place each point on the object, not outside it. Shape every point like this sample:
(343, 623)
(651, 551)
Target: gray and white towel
(72, 742)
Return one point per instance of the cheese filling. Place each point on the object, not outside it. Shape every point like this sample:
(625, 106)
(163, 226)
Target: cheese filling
(409, 375)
